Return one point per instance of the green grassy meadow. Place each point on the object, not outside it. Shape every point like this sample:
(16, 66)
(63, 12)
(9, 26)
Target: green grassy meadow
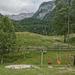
(29, 50)
(37, 41)
(30, 46)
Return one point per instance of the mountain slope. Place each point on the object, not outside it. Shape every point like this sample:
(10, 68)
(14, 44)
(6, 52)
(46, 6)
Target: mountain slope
(1, 14)
(36, 23)
(49, 19)
(44, 9)
(33, 25)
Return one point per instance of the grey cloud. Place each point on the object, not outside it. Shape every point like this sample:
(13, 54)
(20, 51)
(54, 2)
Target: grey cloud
(19, 6)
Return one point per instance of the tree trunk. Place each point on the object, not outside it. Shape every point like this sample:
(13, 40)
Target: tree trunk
(65, 38)
(2, 59)
(74, 61)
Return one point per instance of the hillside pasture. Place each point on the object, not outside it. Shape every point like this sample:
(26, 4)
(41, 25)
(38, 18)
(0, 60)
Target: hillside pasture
(30, 47)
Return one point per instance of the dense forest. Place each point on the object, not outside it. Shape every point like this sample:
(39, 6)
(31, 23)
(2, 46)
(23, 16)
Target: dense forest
(34, 25)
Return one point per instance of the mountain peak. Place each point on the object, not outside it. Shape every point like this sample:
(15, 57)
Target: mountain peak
(45, 8)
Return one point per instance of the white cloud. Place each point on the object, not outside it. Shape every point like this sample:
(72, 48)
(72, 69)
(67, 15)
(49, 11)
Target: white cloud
(19, 6)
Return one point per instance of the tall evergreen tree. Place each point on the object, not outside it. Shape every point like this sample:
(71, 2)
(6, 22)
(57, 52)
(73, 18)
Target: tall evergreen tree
(7, 36)
(62, 19)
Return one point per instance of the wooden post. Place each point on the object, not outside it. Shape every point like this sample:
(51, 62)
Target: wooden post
(42, 58)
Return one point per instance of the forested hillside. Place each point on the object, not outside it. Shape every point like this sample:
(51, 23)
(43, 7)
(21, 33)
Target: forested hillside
(34, 25)
(63, 17)
(53, 23)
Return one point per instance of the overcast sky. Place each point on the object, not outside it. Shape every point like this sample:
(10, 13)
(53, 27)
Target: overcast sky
(19, 6)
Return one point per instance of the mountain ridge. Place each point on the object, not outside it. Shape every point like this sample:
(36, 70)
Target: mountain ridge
(44, 9)
(20, 16)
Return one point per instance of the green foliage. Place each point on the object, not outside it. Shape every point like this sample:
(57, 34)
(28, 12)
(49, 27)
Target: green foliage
(72, 41)
(64, 12)
(7, 36)
(34, 25)
(60, 17)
